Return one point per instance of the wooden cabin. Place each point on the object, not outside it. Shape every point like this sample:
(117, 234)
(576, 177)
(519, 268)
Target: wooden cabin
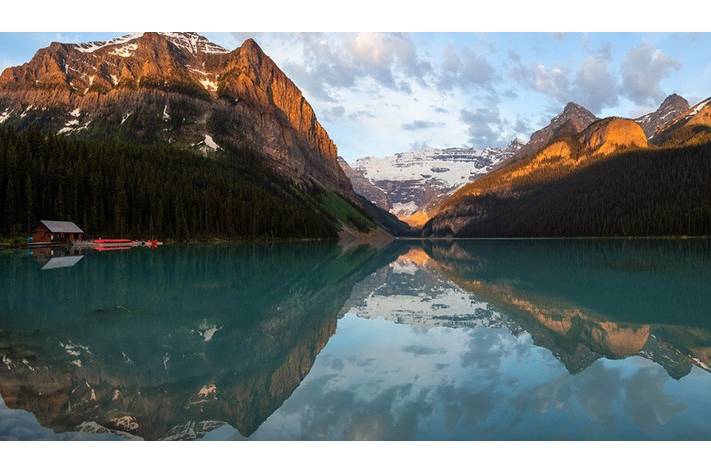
(57, 232)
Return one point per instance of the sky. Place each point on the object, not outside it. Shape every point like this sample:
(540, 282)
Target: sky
(381, 93)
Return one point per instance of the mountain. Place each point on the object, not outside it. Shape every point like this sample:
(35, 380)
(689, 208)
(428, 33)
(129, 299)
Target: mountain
(604, 181)
(601, 181)
(182, 90)
(408, 184)
(673, 106)
(573, 119)
(689, 128)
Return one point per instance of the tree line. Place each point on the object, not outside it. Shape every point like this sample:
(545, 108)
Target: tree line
(113, 188)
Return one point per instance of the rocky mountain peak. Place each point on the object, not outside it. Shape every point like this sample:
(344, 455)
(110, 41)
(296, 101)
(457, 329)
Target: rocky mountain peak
(572, 107)
(671, 108)
(573, 119)
(674, 99)
(573, 111)
(250, 45)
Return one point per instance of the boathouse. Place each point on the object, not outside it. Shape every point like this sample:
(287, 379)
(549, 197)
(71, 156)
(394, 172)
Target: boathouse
(57, 232)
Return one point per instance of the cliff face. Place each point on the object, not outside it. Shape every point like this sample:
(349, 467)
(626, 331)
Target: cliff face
(173, 87)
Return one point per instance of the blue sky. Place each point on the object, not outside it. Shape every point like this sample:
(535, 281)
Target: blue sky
(381, 93)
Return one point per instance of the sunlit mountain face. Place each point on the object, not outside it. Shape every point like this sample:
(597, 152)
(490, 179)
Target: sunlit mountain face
(469, 340)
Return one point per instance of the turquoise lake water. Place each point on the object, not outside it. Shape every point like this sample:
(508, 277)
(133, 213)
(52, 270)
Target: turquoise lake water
(471, 340)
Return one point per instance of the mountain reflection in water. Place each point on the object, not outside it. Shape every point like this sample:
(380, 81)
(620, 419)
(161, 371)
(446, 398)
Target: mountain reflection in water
(598, 339)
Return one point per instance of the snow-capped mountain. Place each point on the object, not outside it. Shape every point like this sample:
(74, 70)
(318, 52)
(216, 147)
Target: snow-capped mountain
(413, 181)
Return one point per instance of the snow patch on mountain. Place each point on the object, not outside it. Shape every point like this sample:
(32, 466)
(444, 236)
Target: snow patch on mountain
(698, 107)
(97, 45)
(210, 143)
(5, 115)
(406, 208)
(208, 84)
(125, 51)
(190, 42)
(70, 126)
(194, 43)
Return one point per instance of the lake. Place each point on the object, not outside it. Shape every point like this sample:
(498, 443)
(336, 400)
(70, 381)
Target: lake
(432, 340)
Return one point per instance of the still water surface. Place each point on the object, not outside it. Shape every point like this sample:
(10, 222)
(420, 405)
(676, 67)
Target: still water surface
(468, 340)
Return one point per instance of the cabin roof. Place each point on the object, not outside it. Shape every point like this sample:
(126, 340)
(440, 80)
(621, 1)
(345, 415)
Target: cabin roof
(62, 226)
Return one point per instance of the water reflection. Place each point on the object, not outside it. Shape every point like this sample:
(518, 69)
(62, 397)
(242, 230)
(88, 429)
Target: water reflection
(466, 340)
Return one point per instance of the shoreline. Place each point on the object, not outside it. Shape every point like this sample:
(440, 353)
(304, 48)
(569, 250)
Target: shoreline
(24, 245)
(615, 237)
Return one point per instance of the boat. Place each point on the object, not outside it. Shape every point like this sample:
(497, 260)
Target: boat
(103, 245)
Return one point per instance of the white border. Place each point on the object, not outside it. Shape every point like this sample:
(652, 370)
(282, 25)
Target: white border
(353, 457)
(356, 15)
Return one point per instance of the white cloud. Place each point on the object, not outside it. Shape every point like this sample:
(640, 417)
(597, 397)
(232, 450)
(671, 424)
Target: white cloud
(592, 84)
(376, 93)
(465, 68)
(595, 86)
(484, 126)
(421, 125)
(643, 69)
(323, 64)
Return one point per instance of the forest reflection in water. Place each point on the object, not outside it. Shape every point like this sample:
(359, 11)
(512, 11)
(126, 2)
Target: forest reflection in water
(514, 339)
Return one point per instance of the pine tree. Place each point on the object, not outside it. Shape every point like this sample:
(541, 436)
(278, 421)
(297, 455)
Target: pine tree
(10, 218)
(29, 209)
